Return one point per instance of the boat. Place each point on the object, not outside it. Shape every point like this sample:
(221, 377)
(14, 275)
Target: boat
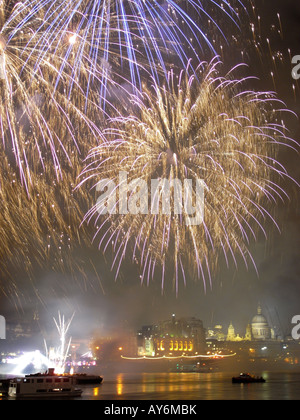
(47, 385)
(4, 384)
(246, 378)
(83, 378)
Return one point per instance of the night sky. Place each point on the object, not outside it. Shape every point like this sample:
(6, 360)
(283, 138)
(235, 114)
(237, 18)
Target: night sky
(101, 302)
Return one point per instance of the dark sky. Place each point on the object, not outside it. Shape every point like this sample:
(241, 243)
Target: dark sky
(235, 293)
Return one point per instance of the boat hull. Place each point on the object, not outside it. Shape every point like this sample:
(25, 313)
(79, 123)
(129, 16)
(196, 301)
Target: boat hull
(47, 395)
(88, 381)
(247, 381)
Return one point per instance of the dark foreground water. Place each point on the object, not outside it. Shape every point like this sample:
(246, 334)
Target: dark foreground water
(193, 386)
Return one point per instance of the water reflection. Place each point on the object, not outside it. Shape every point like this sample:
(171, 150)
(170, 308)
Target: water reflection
(193, 386)
(120, 381)
(96, 392)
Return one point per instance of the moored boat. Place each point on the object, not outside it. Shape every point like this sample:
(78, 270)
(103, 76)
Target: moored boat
(246, 378)
(83, 378)
(45, 385)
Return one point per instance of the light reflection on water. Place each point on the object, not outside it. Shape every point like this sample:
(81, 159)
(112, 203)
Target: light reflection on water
(193, 386)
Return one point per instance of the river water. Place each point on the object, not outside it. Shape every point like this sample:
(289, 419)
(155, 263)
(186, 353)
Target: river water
(193, 386)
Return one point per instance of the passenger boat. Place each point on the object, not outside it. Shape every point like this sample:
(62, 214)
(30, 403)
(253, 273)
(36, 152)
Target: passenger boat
(45, 385)
(246, 378)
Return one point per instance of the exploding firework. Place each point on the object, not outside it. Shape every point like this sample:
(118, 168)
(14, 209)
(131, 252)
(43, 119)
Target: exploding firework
(31, 111)
(39, 150)
(58, 356)
(60, 60)
(205, 128)
(112, 42)
(40, 226)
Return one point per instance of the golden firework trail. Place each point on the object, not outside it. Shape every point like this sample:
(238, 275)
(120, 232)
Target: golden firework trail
(30, 108)
(40, 228)
(206, 128)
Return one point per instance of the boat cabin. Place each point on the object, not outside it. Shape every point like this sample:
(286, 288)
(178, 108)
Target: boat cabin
(43, 385)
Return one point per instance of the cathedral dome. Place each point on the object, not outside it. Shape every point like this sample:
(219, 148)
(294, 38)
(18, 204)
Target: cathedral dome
(260, 326)
(259, 319)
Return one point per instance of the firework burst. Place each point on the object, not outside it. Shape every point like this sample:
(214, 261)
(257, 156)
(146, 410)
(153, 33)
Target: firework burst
(114, 42)
(31, 112)
(39, 227)
(206, 127)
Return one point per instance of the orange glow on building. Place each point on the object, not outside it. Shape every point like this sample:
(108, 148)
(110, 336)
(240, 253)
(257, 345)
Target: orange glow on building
(168, 345)
(172, 338)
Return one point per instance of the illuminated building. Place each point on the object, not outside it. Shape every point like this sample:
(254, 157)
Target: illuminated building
(231, 333)
(248, 336)
(258, 346)
(172, 338)
(257, 330)
(145, 341)
(216, 333)
(260, 327)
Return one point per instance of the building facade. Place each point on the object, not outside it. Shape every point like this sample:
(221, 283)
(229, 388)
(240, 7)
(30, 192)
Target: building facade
(260, 327)
(174, 337)
(257, 330)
